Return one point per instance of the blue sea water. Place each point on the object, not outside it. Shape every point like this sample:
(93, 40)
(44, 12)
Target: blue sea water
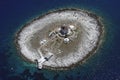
(104, 65)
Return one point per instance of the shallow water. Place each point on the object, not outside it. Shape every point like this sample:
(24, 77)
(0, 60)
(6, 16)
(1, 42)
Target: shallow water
(104, 65)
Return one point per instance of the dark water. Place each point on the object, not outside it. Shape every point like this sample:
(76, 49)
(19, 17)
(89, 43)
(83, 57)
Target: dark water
(104, 65)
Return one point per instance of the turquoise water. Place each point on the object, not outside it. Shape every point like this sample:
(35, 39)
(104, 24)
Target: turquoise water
(103, 65)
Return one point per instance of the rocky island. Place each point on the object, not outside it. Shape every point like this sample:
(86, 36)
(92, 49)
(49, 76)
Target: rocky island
(60, 39)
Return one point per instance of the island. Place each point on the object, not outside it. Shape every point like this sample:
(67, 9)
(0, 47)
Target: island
(60, 39)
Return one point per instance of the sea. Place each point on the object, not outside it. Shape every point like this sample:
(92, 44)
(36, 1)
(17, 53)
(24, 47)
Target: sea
(103, 65)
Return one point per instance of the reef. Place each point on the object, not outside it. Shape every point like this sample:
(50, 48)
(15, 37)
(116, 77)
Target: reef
(60, 38)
